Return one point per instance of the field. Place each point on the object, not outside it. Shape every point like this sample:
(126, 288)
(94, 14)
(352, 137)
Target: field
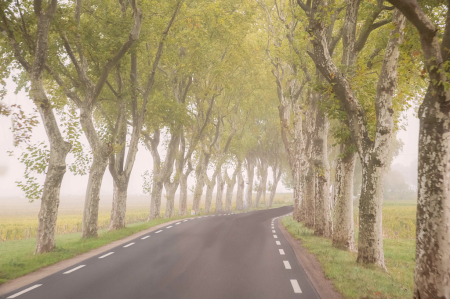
(356, 281)
(17, 256)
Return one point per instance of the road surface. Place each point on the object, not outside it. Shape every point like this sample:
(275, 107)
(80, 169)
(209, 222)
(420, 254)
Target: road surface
(242, 255)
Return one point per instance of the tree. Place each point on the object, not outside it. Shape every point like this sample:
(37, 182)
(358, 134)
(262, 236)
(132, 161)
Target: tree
(432, 269)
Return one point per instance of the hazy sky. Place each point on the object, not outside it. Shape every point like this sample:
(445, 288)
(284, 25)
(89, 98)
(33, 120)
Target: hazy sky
(75, 185)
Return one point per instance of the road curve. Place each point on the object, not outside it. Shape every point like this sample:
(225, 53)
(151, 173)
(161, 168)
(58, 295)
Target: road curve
(234, 256)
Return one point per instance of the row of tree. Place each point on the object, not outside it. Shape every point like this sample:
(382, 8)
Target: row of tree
(208, 76)
(357, 65)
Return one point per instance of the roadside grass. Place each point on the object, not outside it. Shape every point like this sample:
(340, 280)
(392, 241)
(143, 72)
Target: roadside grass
(17, 257)
(361, 282)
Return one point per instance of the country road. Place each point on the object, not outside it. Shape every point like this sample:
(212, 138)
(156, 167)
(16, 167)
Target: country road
(212, 257)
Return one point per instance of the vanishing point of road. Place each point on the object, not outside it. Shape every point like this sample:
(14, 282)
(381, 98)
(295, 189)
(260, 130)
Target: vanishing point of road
(232, 255)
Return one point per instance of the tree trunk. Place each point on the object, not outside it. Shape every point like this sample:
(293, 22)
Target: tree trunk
(219, 195)
(250, 175)
(276, 180)
(259, 186)
(343, 230)
(240, 191)
(200, 174)
(183, 195)
(92, 197)
(230, 187)
(323, 225)
(45, 239)
(432, 270)
(170, 194)
(155, 204)
(119, 207)
(263, 183)
(310, 195)
(208, 197)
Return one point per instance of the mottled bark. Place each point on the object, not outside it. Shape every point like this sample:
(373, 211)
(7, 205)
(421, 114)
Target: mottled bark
(230, 187)
(263, 172)
(200, 175)
(92, 196)
(343, 230)
(184, 190)
(170, 203)
(310, 195)
(432, 270)
(119, 207)
(323, 225)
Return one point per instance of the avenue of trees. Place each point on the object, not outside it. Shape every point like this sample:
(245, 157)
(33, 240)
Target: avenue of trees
(237, 94)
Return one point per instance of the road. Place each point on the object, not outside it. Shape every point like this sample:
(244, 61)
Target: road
(234, 256)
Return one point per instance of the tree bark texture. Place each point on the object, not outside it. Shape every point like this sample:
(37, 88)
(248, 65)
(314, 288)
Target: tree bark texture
(343, 230)
(230, 187)
(277, 172)
(219, 192)
(323, 225)
(208, 196)
(432, 270)
(250, 167)
(119, 207)
(240, 191)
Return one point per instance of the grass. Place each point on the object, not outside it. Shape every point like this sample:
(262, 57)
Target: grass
(17, 257)
(360, 282)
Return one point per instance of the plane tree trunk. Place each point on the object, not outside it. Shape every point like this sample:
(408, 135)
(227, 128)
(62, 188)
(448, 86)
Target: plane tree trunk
(240, 188)
(230, 187)
(277, 171)
(250, 166)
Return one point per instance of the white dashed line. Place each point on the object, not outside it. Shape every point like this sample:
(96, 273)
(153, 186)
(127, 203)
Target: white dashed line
(273, 231)
(177, 223)
(105, 255)
(295, 286)
(74, 269)
(158, 232)
(143, 238)
(281, 251)
(184, 220)
(275, 236)
(169, 226)
(24, 291)
(128, 245)
(278, 242)
(287, 265)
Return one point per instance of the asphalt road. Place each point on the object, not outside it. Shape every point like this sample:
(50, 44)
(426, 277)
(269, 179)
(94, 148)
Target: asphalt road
(214, 257)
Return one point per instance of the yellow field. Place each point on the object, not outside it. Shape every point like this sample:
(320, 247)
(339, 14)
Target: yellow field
(18, 217)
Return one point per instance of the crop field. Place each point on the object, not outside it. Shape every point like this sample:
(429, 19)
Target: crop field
(18, 217)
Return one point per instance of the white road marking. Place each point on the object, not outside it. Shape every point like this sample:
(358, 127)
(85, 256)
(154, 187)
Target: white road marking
(295, 286)
(185, 220)
(177, 223)
(275, 236)
(143, 238)
(24, 291)
(278, 242)
(281, 251)
(273, 231)
(128, 245)
(169, 226)
(287, 265)
(105, 255)
(158, 232)
(74, 269)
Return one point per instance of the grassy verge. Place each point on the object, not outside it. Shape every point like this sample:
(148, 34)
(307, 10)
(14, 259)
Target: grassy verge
(353, 280)
(17, 257)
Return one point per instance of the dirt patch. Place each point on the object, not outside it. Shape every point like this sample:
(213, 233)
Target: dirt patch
(312, 267)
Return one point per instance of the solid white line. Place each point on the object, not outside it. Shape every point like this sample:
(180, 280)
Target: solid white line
(295, 286)
(278, 242)
(287, 265)
(177, 223)
(143, 238)
(275, 236)
(74, 269)
(158, 232)
(128, 245)
(109, 253)
(169, 226)
(273, 231)
(24, 291)
(281, 251)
